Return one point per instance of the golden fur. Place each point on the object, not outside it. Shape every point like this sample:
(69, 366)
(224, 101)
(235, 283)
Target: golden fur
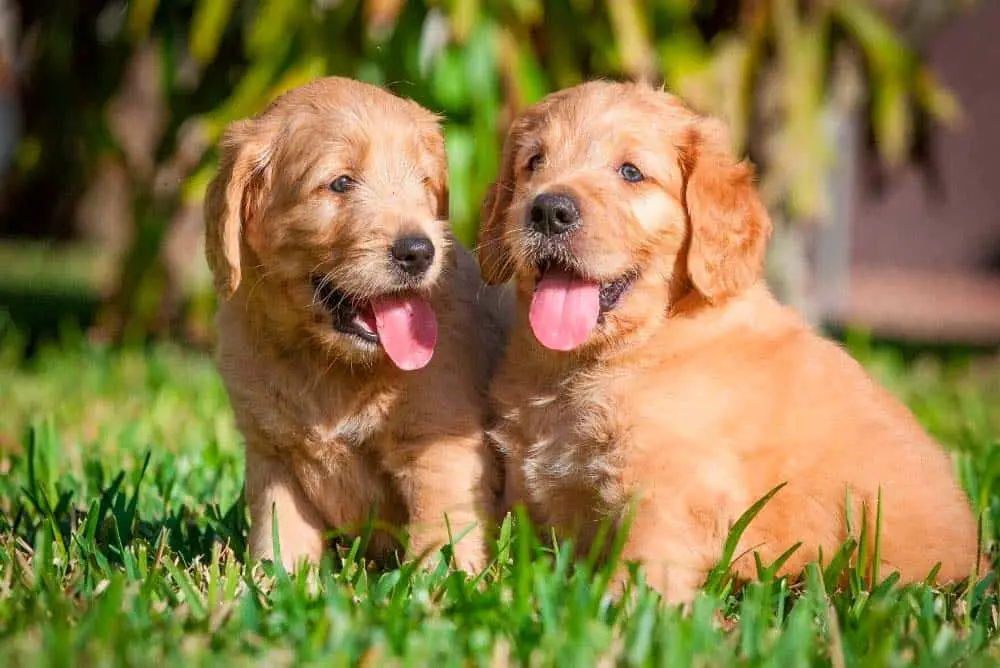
(698, 393)
(334, 431)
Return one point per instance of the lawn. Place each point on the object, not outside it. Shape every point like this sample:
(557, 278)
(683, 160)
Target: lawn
(122, 542)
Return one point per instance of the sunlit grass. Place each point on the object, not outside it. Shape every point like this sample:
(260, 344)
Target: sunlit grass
(122, 541)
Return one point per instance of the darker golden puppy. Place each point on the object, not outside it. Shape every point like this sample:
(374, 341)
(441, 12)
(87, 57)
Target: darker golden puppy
(353, 341)
(650, 362)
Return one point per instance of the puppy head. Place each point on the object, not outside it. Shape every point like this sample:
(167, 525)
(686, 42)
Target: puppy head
(330, 211)
(613, 201)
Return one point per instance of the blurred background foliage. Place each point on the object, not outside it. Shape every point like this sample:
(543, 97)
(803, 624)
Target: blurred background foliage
(121, 103)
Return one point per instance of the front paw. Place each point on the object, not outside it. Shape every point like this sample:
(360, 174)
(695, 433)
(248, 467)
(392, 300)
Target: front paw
(470, 554)
(297, 550)
(468, 551)
(676, 587)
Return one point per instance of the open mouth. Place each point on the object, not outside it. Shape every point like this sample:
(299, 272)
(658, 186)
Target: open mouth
(349, 316)
(403, 324)
(609, 292)
(566, 306)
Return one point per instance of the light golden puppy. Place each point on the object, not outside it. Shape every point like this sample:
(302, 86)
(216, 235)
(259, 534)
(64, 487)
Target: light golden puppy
(649, 360)
(352, 339)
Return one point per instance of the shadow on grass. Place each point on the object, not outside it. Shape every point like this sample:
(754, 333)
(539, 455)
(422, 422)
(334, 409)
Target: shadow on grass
(45, 288)
(46, 314)
(109, 523)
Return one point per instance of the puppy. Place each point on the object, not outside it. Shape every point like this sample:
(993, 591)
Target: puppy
(649, 363)
(351, 337)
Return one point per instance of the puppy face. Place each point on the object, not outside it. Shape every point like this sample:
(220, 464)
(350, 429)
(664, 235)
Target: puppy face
(612, 202)
(332, 203)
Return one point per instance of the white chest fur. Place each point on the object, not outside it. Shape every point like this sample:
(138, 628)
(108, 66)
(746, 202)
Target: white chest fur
(565, 447)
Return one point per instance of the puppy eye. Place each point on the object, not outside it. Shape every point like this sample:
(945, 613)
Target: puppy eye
(534, 162)
(342, 184)
(630, 173)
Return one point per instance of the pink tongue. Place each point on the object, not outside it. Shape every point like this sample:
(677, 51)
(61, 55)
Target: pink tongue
(564, 310)
(407, 330)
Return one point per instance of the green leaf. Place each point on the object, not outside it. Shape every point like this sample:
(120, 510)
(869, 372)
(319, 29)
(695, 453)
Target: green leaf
(272, 27)
(140, 18)
(460, 145)
(481, 67)
(891, 67)
(208, 25)
(448, 83)
(717, 577)
(464, 15)
(532, 82)
(935, 98)
(631, 36)
(891, 119)
(883, 49)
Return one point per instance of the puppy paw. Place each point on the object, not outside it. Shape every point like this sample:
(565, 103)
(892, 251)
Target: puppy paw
(468, 552)
(469, 555)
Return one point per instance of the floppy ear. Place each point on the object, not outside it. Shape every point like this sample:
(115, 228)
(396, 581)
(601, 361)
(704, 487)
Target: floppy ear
(234, 198)
(730, 226)
(491, 249)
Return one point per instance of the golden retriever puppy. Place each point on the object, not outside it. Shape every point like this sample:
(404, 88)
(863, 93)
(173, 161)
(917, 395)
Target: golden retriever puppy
(351, 336)
(649, 362)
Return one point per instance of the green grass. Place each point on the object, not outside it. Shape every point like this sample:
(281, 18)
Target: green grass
(122, 542)
(46, 286)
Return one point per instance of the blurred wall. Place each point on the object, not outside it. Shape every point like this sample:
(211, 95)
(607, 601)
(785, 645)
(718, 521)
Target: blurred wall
(959, 227)
(925, 261)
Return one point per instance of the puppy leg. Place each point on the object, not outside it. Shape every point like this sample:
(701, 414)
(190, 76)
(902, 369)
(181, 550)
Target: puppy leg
(443, 483)
(273, 492)
(677, 546)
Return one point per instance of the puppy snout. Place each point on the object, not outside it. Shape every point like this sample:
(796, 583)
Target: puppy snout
(413, 255)
(554, 213)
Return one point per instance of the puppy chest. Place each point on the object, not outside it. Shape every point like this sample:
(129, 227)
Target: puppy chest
(351, 430)
(349, 489)
(570, 457)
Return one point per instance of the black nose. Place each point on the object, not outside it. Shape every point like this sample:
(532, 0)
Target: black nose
(553, 213)
(413, 254)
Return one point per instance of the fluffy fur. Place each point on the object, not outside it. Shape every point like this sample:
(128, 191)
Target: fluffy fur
(335, 433)
(698, 393)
